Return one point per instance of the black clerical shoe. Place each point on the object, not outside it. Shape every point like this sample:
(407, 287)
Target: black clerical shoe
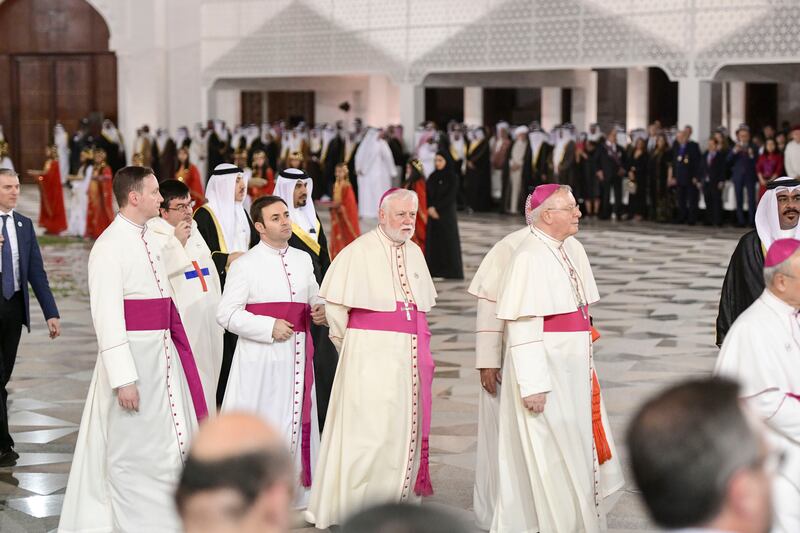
(8, 458)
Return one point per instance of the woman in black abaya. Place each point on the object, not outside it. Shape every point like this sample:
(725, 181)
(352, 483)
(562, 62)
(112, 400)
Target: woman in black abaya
(443, 246)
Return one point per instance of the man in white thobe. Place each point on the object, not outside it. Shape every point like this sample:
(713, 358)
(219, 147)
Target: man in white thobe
(761, 351)
(145, 398)
(375, 443)
(375, 170)
(270, 298)
(489, 348)
(193, 278)
(518, 159)
(551, 410)
(791, 154)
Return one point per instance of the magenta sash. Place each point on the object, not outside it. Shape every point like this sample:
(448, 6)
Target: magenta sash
(160, 313)
(396, 321)
(299, 315)
(568, 322)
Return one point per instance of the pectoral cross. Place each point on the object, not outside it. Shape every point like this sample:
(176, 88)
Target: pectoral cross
(407, 308)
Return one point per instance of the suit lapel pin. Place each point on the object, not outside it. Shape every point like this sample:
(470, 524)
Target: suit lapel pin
(19, 223)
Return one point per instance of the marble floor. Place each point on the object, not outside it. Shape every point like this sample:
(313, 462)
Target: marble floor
(659, 288)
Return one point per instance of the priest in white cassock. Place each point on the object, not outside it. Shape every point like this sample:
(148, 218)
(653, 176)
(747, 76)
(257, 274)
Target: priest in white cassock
(557, 460)
(145, 398)
(193, 278)
(375, 170)
(375, 443)
(761, 351)
(489, 349)
(270, 300)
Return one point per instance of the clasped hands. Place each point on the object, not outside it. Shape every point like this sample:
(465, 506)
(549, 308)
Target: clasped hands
(283, 329)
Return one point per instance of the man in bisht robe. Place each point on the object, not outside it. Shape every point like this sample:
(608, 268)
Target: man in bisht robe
(295, 187)
(551, 409)
(269, 301)
(478, 178)
(193, 278)
(489, 349)
(776, 218)
(760, 352)
(145, 399)
(375, 443)
(229, 233)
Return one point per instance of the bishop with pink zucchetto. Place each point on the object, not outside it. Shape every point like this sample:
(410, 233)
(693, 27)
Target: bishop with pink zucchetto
(375, 442)
(556, 456)
(761, 352)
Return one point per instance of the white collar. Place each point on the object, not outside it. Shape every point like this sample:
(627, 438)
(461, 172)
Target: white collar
(776, 304)
(272, 250)
(551, 240)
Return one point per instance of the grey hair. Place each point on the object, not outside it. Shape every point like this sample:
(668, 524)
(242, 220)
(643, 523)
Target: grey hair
(399, 194)
(8, 172)
(781, 268)
(536, 214)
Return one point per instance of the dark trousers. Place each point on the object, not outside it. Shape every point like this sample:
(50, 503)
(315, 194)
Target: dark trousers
(11, 317)
(740, 186)
(713, 197)
(325, 360)
(614, 183)
(688, 197)
(228, 347)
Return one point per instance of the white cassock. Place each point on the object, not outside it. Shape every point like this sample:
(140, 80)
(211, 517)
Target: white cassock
(268, 377)
(372, 443)
(126, 464)
(79, 202)
(489, 333)
(196, 290)
(375, 170)
(761, 352)
(539, 298)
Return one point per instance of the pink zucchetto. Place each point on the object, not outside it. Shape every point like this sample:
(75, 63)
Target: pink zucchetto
(542, 193)
(780, 251)
(387, 193)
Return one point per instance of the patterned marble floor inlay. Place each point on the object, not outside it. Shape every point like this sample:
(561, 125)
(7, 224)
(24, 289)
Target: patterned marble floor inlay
(659, 289)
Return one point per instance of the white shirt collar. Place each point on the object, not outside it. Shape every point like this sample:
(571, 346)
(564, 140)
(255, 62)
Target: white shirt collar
(10, 212)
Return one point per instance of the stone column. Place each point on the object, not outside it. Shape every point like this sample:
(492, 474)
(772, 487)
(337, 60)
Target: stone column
(412, 110)
(694, 106)
(473, 106)
(637, 99)
(551, 107)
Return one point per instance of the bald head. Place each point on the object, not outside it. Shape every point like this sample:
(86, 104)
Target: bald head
(233, 434)
(238, 477)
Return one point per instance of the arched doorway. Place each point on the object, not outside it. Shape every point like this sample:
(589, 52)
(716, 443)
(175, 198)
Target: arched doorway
(55, 66)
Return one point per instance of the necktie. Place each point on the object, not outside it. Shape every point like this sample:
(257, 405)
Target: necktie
(7, 263)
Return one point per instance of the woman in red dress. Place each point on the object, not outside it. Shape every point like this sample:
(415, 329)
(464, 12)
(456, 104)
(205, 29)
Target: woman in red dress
(100, 213)
(262, 182)
(52, 215)
(344, 212)
(188, 174)
(415, 181)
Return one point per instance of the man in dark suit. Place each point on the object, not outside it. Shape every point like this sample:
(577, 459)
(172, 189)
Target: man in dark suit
(685, 174)
(742, 163)
(714, 169)
(610, 170)
(21, 264)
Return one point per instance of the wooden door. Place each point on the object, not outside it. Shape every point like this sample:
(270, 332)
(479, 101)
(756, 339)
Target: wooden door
(73, 90)
(34, 101)
(292, 106)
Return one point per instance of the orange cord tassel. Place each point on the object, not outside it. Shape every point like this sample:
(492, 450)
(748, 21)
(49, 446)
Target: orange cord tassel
(600, 441)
